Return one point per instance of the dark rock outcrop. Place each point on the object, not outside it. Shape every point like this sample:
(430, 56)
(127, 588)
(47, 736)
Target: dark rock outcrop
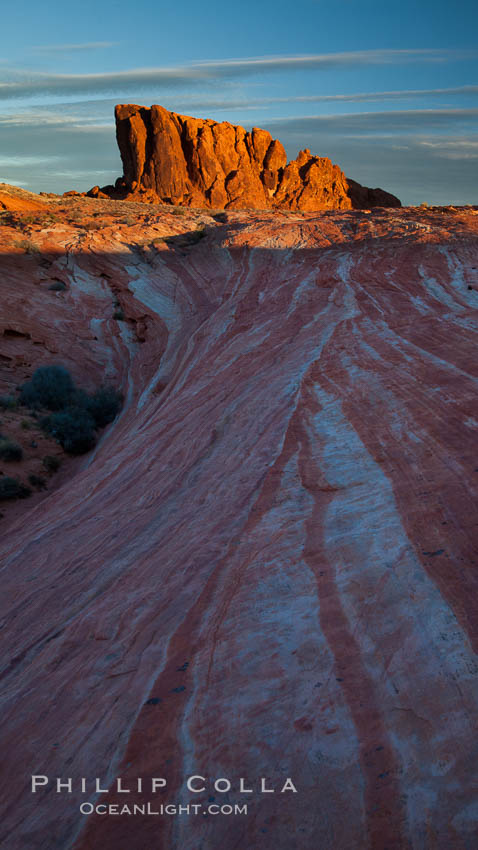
(364, 198)
(201, 163)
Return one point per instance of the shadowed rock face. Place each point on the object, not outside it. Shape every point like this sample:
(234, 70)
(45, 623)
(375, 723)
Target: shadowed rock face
(269, 565)
(202, 163)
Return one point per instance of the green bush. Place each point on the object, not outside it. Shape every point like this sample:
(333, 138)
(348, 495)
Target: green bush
(50, 386)
(37, 481)
(8, 402)
(9, 450)
(51, 463)
(104, 405)
(12, 488)
(74, 414)
(74, 429)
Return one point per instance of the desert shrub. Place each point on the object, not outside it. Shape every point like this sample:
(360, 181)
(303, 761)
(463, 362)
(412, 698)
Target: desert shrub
(74, 429)
(37, 481)
(196, 235)
(51, 463)
(50, 386)
(179, 211)
(119, 314)
(12, 488)
(79, 398)
(27, 246)
(8, 402)
(74, 415)
(91, 225)
(31, 218)
(57, 286)
(9, 450)
(104, 405)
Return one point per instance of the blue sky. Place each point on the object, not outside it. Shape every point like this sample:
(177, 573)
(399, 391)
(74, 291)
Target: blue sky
(388, 90)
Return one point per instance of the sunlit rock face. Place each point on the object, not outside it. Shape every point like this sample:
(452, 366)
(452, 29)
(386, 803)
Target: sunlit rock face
(267, 567)
(202, 163)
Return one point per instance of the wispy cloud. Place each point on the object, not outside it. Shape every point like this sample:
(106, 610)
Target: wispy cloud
(86, 110)
(362, 97)
(388, 121)
(356, 97)
(54, 119)
(20, 183)
(25, 161)
(38, 83)
(68, 48)
(458, 149)
(326, 61)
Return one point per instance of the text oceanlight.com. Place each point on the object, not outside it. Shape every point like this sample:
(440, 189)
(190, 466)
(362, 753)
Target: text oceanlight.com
(166, 809)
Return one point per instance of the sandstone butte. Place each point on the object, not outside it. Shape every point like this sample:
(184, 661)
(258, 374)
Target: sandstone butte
(268, 565)
(202, 163)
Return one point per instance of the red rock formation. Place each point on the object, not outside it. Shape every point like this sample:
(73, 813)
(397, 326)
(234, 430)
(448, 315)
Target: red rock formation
(202, 163)
(268, 566)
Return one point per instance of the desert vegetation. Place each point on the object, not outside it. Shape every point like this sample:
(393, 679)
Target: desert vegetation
(12, 488)
(9, 450)
(7, 402)
(71, 415)
(51, 463)
(50, 387)
(60, 410)
(27, 246)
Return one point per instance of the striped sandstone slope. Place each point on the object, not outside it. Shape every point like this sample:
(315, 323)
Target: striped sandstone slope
(268, 566)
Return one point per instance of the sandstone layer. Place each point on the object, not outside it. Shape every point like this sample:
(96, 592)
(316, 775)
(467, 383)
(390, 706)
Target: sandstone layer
(14, 199)
(268, 566)
(202, 163)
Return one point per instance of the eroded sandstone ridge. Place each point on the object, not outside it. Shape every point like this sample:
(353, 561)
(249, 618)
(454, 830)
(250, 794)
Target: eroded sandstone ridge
(201, 163)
